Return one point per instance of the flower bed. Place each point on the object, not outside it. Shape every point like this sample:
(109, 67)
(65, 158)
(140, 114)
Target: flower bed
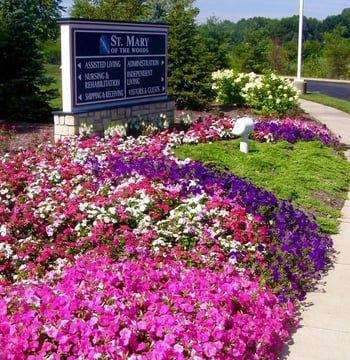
(114, 249)
(6, 133)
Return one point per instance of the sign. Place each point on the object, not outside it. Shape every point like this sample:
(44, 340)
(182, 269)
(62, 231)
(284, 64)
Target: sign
(111, 66)
(115, 62)
(98, 80)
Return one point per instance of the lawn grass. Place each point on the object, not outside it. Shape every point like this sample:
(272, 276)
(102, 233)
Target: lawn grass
(53, 72)
(339, 104)
(314, 176)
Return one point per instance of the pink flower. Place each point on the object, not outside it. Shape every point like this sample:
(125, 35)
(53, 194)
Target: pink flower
(125, 335)
(209, 350)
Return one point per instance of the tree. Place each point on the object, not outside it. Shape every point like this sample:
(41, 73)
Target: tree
(251, 54)
(157, 11)
(21, 94)
(109, 9)
(331, 22)
(216, 37)
(337, 53)
(313, 62)
(43, 14)
(189, 64)
(277, 57)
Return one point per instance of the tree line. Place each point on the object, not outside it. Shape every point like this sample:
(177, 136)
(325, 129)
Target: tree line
(29, 37)
(258, 44)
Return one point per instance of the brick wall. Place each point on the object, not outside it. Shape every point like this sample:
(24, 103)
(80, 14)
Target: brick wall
(68, 124)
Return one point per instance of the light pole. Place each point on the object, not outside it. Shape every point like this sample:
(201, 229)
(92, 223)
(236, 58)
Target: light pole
(299, 82)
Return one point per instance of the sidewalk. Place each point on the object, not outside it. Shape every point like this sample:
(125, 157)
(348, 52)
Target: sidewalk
(325, 320)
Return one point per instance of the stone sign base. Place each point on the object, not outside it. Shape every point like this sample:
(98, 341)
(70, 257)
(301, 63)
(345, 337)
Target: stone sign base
(300, 85)
(69, 124)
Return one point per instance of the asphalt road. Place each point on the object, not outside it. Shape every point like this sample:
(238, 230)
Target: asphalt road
(337, 89)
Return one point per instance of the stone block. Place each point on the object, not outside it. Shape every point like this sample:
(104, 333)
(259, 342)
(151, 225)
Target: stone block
(121, 111)
(61, 130)
(84, 115)
(141, 114)
(58, 119)
(70, 120)
(160, 107)
(57, 138)
(128, 112)
(72, 130)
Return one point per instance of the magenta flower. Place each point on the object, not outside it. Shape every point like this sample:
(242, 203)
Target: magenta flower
(116, 249)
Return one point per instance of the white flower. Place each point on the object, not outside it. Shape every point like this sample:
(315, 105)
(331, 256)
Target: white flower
(4, 191)
(114, 129)
(6, 249)
(49, 230)
(3, 230)
(85, 129)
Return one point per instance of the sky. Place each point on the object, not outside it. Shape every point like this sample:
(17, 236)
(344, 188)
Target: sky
(235, 10)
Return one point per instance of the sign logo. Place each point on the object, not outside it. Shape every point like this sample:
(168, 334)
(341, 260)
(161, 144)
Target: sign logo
(104, 45)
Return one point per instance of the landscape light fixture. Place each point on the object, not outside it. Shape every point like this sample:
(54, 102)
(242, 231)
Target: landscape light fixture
(243, 127)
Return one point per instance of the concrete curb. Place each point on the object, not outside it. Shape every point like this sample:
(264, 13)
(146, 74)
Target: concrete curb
(325, 319)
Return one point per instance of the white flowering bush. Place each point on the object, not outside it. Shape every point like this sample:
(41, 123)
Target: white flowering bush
(271, 95)
(149, 129)
(116, 129)
(155, 125)
(228, 86)
(185, 120)
(268, 95)
(139, 126)
(162, 122)
(85, 130)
